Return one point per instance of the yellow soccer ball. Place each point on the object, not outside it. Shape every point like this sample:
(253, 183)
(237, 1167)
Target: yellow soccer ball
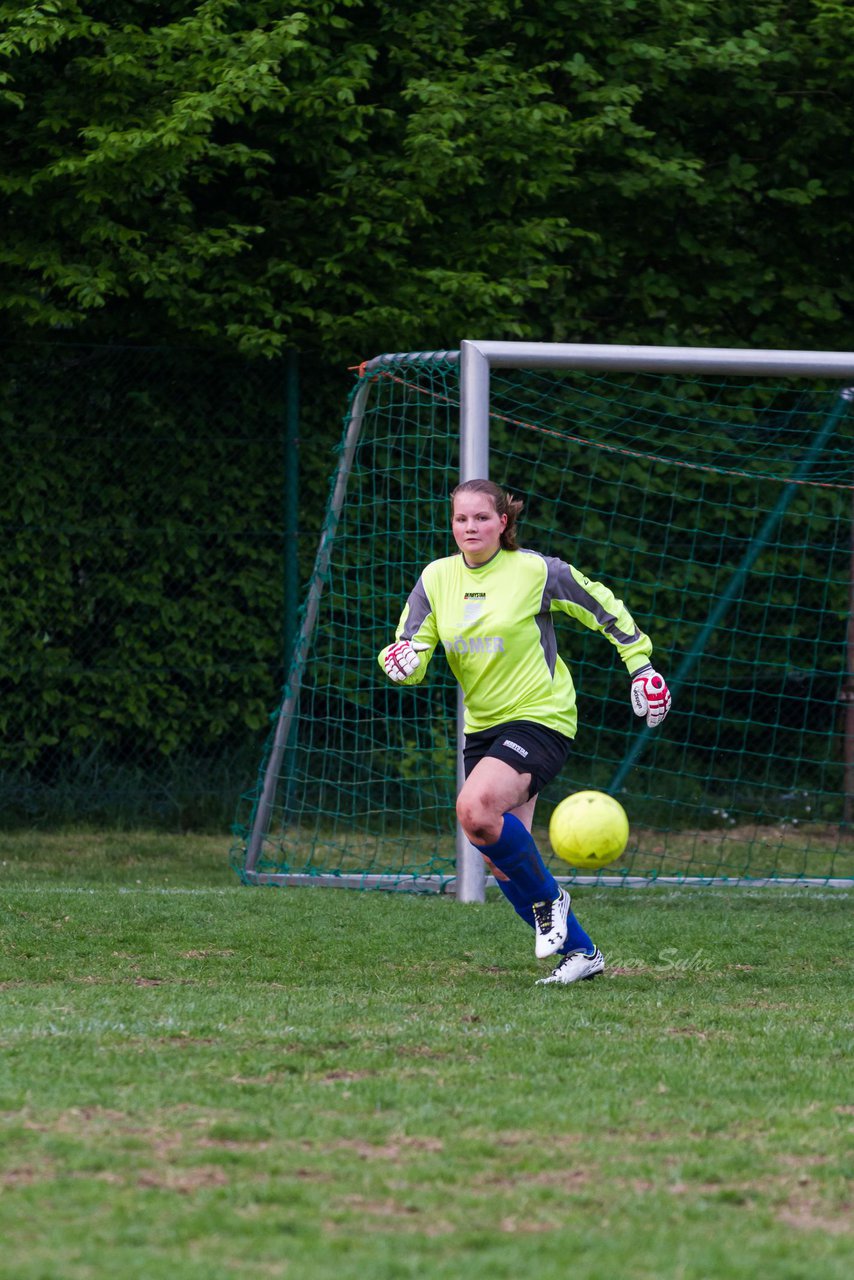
(589, 829)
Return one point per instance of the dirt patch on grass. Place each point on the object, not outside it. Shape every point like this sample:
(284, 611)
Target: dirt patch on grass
(802, 1161)
(798, 1203)
(181, 1181)
(525, 1138)
(24, 1176)
(395, 1149)
(77, 1120)
(528, 1227)
(374, 1214)
(204, 955)
(421, 1051)
(563, 1180)
(345, 1077)
(811, 1214)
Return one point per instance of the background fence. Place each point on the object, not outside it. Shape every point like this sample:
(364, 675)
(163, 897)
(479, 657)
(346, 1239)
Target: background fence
(148, 569)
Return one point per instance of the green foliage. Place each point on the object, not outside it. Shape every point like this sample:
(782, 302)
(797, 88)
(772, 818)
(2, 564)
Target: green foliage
(141, 559)
(355, 176)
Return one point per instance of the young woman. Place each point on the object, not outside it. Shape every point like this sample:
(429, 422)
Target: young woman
(491, 609)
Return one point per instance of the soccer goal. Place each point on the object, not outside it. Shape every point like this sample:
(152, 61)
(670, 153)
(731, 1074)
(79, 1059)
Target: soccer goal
(711, 489)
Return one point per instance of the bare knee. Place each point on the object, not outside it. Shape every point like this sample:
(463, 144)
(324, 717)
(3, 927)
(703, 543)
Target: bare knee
(481, 821)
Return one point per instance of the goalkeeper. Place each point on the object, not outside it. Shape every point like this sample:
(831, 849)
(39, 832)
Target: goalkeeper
(491, 609)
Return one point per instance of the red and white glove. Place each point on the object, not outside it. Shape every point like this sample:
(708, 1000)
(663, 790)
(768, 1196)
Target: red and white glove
(402, 658)
(650, 696)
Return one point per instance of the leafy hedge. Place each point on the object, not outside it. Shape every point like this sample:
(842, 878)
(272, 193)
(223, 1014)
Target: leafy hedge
(141, 558)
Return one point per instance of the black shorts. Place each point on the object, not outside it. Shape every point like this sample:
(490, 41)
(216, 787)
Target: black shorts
(526, 746)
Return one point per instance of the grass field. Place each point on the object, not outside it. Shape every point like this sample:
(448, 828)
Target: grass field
(200, 1080)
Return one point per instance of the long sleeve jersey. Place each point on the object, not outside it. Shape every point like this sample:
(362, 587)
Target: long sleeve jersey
(495, 623)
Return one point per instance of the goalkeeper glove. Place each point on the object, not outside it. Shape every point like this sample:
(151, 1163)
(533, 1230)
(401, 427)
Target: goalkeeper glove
(650, 696)
(402, 658)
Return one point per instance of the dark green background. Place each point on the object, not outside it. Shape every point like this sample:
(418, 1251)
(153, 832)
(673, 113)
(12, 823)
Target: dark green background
(194, 194)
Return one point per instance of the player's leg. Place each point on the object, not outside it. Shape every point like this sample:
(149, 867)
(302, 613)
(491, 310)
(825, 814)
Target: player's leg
(500, 804)
(578, 941)
(579, 957)
(485, 808)
(525, 812)
(492, 789)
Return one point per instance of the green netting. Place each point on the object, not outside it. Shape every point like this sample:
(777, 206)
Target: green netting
(720, 510)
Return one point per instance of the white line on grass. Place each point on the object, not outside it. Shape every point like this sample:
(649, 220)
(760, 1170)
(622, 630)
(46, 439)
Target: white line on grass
(813, 891)
(113, 888)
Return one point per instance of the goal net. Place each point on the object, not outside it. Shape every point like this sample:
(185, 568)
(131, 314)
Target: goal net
(719, 507)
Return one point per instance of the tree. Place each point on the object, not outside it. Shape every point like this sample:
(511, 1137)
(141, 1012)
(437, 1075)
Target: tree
(362, 175)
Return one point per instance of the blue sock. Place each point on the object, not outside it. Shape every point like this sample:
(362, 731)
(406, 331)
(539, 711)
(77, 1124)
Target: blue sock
(576, 938)
(516, 854)
(517, 900)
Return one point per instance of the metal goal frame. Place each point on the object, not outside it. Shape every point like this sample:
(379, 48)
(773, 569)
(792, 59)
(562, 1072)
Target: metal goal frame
(476, 360)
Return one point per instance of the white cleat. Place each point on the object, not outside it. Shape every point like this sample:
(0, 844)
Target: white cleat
(550, 924)
(575, 968)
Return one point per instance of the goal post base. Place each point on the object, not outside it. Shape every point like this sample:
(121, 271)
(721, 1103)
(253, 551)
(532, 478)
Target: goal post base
(447, 885)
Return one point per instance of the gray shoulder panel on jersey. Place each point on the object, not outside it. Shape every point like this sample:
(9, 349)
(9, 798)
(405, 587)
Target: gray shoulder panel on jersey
(544, 619)
(548, 640)
(419, 608)
(562, 584)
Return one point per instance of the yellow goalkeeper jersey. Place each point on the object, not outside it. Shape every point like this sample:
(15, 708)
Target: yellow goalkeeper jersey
(495, 623)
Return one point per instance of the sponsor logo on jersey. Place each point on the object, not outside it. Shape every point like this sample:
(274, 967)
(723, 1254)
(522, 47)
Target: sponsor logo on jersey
(475, 595)
(474, 644)
(472, 609)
